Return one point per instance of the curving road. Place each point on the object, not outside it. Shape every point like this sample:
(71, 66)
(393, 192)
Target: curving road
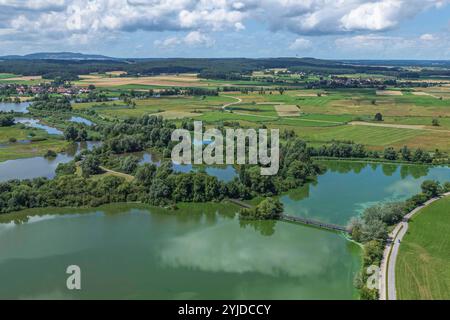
(225, 106)
(387, 274)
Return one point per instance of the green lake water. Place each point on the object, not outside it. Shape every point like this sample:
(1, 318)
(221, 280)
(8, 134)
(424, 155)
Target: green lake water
(347, 188)
(202, 251)
(195, 253)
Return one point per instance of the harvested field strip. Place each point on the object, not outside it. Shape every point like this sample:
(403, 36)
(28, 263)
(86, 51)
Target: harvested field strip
(389, 93)
(285, 110)
(177, 114)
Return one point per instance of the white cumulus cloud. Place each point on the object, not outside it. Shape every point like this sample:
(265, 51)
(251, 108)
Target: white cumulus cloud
(301, 44)
(192, 39)
(98, 19)
(428, 37)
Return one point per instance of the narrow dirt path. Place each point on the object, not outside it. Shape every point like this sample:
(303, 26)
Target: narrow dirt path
(225, 106)
(118, 174)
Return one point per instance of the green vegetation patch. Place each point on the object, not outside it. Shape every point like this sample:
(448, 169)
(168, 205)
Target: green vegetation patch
(423, 265)
(370, 136)
(8, 75)
(33, 149)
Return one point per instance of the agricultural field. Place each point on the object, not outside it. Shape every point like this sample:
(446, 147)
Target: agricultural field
(117, 80)
(417, 117)
(169, 107)
(423, 264)
(114, 80)
(6, 78)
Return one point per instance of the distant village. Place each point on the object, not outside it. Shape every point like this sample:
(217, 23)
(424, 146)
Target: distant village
(42, 88)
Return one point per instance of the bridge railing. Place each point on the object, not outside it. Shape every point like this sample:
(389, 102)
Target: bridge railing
(307, 221)
(316, 223)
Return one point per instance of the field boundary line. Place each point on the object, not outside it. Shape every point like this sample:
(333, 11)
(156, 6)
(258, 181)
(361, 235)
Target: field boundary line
(396, 126)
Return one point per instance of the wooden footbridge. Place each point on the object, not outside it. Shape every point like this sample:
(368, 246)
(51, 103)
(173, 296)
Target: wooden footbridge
(315, 223)
(301, 220)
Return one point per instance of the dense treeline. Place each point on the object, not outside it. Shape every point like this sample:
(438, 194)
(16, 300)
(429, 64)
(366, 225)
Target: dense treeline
(296, 166)
(73, 133)
(201, 92)
(212, 74)
(371, 228)
(353, 150)
(354, 82)
(6, 120)
(93, 96)
(10, 99)
(152, 184)
(49, 103)
(54, 68)
(223, 69)
(268, 209)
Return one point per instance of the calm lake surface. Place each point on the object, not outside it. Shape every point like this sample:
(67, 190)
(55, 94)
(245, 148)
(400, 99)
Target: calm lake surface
(29, 168)
(347, 188)
(224, 173)
(197, 252)
(34, 123)
(201, 251)
(81, 120)
(16, 107)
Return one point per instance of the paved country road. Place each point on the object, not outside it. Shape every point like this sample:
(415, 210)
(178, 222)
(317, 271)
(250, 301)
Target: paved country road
(391, 253)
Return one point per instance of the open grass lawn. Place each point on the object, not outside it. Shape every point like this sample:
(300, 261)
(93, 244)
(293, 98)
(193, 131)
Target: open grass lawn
(261, 110)
(423, 265)
(7, 75)
(25, 82)
(427, 140)
(17, 79)
(370, 136)
(444, 122)
(218, 116)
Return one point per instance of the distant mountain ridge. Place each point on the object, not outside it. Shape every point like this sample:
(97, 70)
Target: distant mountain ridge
(58, 56)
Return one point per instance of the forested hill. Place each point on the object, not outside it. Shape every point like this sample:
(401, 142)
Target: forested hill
(215, 68)
(400, 63)
(57, 56)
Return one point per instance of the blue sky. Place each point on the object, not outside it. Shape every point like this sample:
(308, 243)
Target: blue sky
(344, 29)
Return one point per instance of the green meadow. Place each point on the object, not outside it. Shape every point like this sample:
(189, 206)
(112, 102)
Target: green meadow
(423, 264)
